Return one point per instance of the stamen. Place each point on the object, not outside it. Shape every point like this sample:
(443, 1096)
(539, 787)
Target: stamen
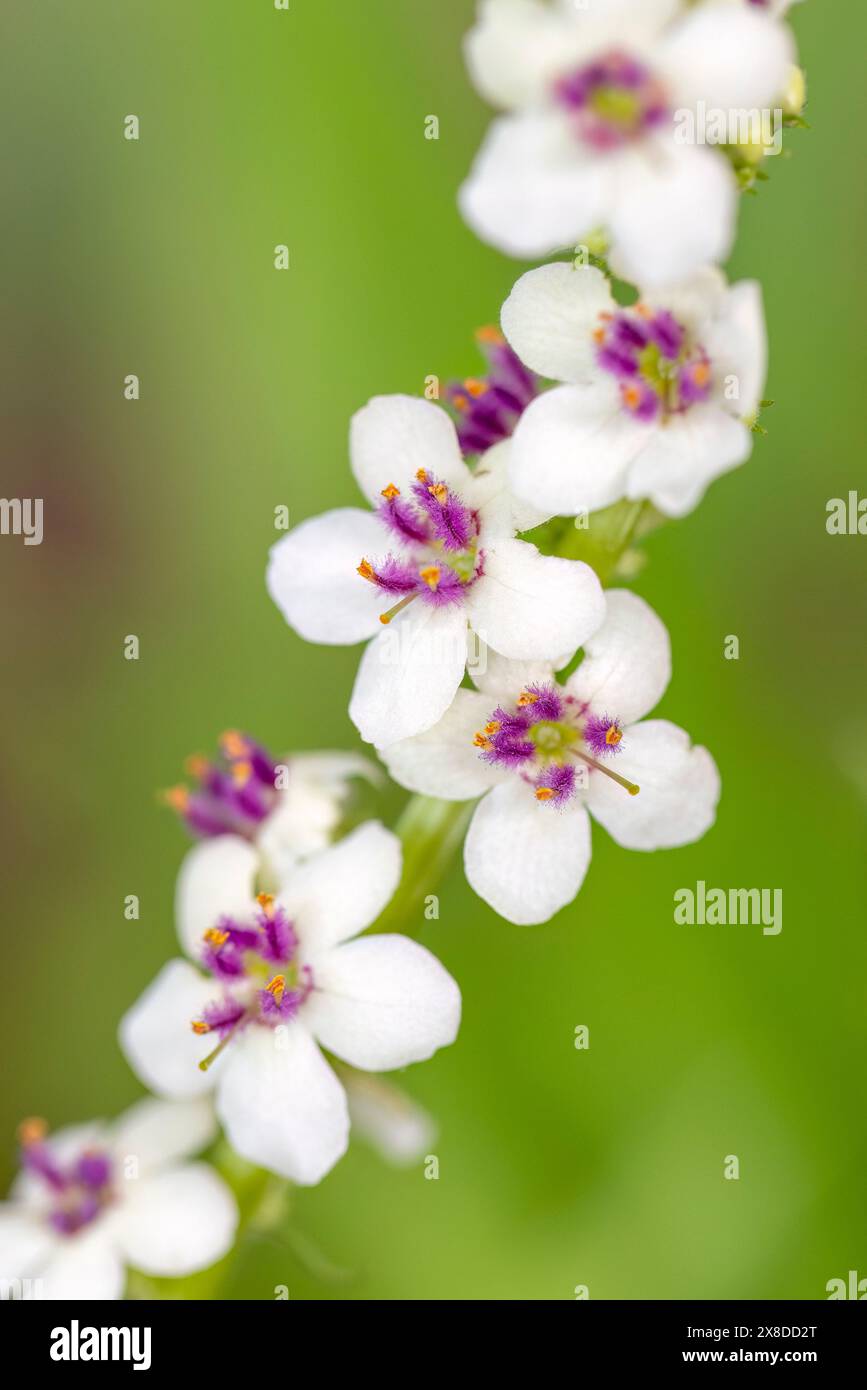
(266, 902)
(431, 576)
(421, 475)
(526, 698)
(177, 797)
(200, 1027)
(214, 937)
(398, 607)
(208, 1061)
(474, 387)
(489, 334)
(32, 1131)
(439, 491)
(545, 793)
(493, 727)
(233, 744)
(390, 492)
(196, 765)
(277, 988)
(615, 777)
(366, 570)
(480, 741)
(241, 772)
(613, 736)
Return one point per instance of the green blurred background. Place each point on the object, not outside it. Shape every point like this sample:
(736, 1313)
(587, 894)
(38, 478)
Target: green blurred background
(557, 1167)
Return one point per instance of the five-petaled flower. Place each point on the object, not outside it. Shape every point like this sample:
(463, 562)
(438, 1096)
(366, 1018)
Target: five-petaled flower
(94, 1198)
(543, 755)
(590, 141)
(439, 556)
(287, 809)
(660, 396)
(276, 976)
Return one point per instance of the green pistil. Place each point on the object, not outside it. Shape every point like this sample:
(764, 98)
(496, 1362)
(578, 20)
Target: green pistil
(464, 564)
(661, 374)
(617, 106)
(552, 739)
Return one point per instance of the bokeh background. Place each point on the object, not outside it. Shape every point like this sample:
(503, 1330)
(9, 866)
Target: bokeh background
(557, 1167)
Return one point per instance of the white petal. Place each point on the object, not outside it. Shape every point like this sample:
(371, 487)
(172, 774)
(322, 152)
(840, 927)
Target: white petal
(525, 859)
(517, 49)
(694, 301)
(85, 1267)
(303, 822)
(178, 1221)
(392, 437)
(736, 341)
(409, 673)
(501, 679)
(489, 493)
(443, 761)
(680, 788)
(572, 447)
(675, 210)
(627, 663)
(683, 458)
(26, 1242)
(156, 1035)
(333, 770)
(643, 17)
(382, 1003)
(281, 1105)
(730, 58)
(400, 1131)
(217, 879)
(533, 188)
(309, 809)
(530, 606)
(159, 1132)
(313, 576)
(550, 316)
(340, 891)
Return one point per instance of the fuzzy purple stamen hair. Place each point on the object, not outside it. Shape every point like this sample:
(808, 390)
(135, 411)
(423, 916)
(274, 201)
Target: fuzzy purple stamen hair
(489, 407)
(234, 792)
(603, 735)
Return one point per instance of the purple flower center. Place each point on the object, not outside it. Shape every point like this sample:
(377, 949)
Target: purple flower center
(440, 556)
(612, 101)
(553, 741)
(256, 964)
(80, 1188)
(489, 407)
(234, 793)
(661, 372)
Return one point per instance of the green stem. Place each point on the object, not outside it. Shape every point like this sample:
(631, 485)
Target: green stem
(430, 831)
(605, 538)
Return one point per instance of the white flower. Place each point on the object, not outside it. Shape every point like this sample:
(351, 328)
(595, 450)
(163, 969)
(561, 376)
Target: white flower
(661, 395)
(438, 554)
(540, 753)
(93, 1198)
(288, 809)
(391, 1122)
(283, 976)
(591, 142)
